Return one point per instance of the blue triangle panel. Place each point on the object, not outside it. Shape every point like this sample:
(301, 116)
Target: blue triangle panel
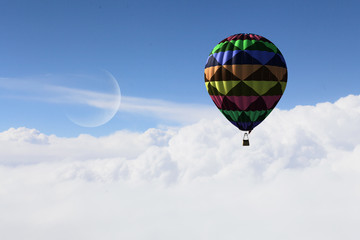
(245, 126)
(277, 60)
(282, 58)
(242, 57)
(261, 56)
(211, 62)
(223, 57)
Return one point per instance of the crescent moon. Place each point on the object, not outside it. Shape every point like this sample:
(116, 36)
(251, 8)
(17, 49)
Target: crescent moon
(100, 108)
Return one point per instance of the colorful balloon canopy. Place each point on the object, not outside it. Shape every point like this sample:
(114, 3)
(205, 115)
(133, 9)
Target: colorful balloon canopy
(245, 76)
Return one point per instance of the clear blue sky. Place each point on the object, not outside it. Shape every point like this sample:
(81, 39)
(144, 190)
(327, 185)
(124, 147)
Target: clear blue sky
(158, 49)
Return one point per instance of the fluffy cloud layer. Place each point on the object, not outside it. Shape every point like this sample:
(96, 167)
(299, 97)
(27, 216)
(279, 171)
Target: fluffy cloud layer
(299, 179)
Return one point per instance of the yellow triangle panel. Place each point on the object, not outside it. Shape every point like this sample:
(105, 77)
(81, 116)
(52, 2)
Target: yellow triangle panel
(223, 87)
(262, 87)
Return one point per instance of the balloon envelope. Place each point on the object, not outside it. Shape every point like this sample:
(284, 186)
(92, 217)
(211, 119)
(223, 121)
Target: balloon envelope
(245, 76)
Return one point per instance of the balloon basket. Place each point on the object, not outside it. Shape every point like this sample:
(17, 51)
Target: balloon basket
(246, 140)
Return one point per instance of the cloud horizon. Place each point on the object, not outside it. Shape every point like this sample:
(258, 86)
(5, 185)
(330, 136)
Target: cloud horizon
(299, 179)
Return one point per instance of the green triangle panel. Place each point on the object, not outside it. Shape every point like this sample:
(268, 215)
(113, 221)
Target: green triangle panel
(272, 46)
(246, 116)
(278, 52)
(217, 47)
(243, 44)
(226, 46)
(231, 46)
(236, 116)
(260, 46)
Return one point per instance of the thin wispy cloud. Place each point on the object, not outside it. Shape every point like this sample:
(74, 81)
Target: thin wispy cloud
(167, 110)
(39, 90)
(66, 95)
(33, 90)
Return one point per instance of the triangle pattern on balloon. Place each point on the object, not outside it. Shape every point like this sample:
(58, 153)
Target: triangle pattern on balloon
(245, 126)
(277, 71)
(217, 100)
(254, 124)
(279, 52)
(210, 71)
(276, 90)
(241, 102)
(262, 74)
(216, 48)
(222, 74)
(283, 86)
(212, 62)
(243, 117)
(224, 86)
(242, 71)
(261, 87)
(259, 104)
(275, 103)
(228, 105)
(233, 115)
(262, 56)
(242, 44)
(212, 90)
(271, 101)
(236, 116)
(228, 116)
(285, 76)
(242, 58)
(257, 115)
(223, 57)
(263, 116)
(219, 56)
(276, 61)
(241, 89)
(259, 46)
(206, 78)
(227, 46)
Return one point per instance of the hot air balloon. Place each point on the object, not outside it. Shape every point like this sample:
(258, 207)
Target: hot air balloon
(245, 76)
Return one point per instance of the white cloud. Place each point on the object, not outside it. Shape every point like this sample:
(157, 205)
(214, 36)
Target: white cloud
(299, 179)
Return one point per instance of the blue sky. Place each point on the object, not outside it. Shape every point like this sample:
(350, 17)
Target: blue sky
(157, 50)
